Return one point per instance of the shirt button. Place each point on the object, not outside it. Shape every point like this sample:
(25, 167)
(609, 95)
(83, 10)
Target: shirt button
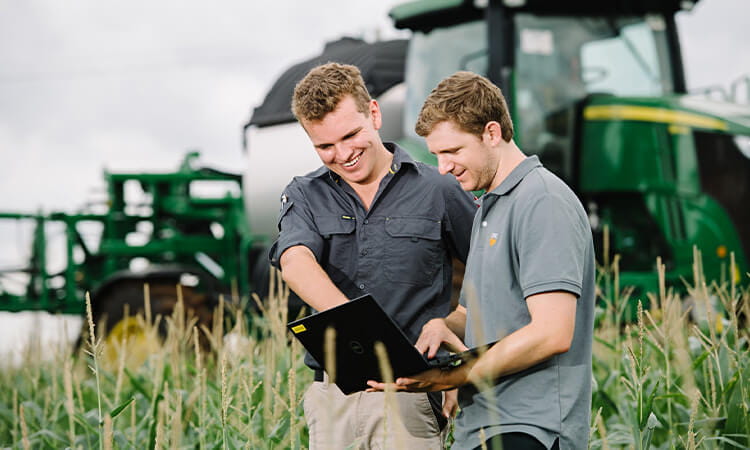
(362, 286)
(363, 253)
(367, 221)
(484, 224)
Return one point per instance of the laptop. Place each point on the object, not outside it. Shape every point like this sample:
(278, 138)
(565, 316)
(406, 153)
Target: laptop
(359, 324)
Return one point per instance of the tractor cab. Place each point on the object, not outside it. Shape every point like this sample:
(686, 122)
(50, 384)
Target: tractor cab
(546, 57)
(597, 90)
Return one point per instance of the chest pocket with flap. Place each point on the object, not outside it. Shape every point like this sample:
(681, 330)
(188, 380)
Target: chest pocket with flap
(414, 251)
(339, 246)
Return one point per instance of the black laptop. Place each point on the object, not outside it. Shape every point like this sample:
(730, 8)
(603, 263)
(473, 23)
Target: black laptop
(359, 324)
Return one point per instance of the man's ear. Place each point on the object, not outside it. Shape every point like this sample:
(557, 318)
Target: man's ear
(377, 118)
(493, 133)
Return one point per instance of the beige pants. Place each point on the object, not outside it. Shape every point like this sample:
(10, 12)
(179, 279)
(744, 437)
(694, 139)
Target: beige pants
(370, 420)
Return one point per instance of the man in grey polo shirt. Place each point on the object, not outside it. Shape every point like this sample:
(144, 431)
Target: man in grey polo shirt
(529, 283)
(371, 220)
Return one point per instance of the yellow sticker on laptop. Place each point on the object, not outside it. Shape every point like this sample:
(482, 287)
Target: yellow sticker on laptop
(299, 329)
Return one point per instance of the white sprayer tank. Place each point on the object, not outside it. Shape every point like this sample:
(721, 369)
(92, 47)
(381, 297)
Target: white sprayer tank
(277, 153)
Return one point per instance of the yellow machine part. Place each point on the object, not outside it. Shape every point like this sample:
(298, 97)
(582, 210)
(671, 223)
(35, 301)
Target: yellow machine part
(133, 336)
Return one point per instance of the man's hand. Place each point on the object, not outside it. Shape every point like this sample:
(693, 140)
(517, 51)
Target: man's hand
(434, 334)
(430, 380)
(450, 403)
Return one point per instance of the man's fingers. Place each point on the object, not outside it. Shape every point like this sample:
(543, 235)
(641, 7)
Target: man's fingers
(377, 386)
(401, 384)
(409, 383)
(430, 346)
(449, 410)
(422, 344)
(456, 343)
(450, 403)
(405, 381)
(433, 350)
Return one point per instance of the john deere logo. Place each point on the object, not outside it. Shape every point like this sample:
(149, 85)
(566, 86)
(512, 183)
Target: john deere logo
(356, 347)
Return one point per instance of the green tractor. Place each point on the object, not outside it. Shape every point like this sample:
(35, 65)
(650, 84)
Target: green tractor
(596, 89)
(186, 227)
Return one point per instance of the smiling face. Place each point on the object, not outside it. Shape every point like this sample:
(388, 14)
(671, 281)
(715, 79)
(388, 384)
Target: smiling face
(348, 143)
(473, 160)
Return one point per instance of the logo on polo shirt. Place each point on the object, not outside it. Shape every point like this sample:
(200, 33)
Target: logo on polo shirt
(493, 239)
(284, 201)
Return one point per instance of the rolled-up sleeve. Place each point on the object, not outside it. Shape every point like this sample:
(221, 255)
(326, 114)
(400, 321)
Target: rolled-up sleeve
(296, 225)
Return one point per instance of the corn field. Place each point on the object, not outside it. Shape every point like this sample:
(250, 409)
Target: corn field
(671, 380)
(192, 390)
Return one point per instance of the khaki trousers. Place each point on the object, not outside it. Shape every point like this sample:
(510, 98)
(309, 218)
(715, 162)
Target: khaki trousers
(370, 420)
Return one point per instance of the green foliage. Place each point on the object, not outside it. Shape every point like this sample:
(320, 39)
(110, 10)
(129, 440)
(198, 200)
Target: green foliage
(672, 380)
(187, 395)
(678, 377)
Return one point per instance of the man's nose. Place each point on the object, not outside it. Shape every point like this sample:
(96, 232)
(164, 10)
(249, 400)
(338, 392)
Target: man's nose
(444, 165)
(343, 152)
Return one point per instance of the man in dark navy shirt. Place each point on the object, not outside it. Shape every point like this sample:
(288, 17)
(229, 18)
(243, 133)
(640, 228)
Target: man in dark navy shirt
(371, 220)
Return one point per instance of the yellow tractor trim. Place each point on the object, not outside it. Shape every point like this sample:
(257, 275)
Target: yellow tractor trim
(650, 114)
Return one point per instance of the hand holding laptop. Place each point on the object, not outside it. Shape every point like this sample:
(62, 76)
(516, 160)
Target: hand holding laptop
(435, 334)
(359, 325)
(439, 379)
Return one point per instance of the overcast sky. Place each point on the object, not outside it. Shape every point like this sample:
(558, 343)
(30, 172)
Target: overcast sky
(89, 84)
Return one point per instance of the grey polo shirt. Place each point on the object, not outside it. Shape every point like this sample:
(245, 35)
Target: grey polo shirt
(531, 235)
(400, 250)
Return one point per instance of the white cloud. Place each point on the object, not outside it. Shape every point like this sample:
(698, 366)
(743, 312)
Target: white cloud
(132, 86)
(88, 84)
(715, 42)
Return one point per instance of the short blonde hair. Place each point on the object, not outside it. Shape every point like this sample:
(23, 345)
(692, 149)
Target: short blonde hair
(468, 100)
(321, 90)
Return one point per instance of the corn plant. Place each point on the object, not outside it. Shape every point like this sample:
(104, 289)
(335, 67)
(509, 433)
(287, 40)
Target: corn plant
(184, 395)
(668, 381)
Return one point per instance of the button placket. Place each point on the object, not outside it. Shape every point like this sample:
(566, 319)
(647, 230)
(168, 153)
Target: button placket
(363, 265)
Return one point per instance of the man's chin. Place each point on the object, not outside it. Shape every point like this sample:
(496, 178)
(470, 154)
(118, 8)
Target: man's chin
(352, 178)
(467, 186)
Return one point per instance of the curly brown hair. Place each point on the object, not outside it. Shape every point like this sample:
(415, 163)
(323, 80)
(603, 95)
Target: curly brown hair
(321, 90)
(468, 100)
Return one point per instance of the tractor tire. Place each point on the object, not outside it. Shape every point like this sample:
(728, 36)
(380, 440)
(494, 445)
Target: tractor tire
(108, 308)
(115, 306)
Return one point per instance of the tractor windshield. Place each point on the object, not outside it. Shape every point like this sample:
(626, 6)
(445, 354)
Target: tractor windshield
(558, 61)
(435, 55)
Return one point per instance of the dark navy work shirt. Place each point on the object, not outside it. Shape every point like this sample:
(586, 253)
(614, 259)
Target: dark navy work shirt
(399, 250)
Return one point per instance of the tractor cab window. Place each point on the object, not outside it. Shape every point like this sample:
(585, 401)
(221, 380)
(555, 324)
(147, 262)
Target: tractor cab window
(437, 54)
(561, 60)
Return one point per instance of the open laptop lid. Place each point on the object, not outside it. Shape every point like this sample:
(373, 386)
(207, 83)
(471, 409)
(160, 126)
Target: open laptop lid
(359, 324)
